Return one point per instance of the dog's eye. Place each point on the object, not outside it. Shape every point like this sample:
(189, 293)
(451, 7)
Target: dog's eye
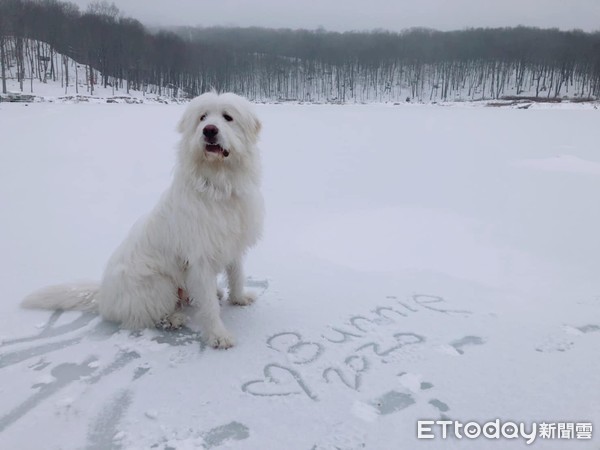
(202, 117)
(227, 117)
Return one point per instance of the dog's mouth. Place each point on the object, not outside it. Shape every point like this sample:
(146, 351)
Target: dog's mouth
(216, 149)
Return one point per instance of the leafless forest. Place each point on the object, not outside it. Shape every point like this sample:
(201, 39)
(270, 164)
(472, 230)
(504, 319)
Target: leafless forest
(42, 40)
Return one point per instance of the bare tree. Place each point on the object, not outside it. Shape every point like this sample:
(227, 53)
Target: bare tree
(2, 61)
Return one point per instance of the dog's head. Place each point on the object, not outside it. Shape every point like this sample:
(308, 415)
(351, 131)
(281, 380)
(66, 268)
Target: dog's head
(219, 129)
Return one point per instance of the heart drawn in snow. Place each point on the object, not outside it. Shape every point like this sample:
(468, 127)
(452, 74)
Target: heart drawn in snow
(278, 381)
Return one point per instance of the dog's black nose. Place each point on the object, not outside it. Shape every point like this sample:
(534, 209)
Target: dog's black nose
(210, 131)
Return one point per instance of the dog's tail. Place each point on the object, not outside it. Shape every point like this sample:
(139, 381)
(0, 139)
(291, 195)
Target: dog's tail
(79, 296)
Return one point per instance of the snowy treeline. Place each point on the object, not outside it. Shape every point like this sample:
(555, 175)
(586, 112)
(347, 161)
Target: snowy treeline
(418, 64)
(42, 39)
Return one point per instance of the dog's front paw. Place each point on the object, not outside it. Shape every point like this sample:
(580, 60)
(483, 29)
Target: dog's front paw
(247, 298)
(220, 340)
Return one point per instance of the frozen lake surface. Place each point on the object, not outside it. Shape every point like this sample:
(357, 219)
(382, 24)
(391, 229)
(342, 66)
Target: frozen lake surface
(418, 262)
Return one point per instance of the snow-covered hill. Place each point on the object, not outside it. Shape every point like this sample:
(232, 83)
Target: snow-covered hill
(51, 76)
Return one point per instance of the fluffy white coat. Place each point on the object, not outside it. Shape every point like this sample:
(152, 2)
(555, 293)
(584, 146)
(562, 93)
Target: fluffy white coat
(202, 226)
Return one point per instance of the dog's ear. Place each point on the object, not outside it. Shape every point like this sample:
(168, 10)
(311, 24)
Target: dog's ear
(257, 126)
(186, 120)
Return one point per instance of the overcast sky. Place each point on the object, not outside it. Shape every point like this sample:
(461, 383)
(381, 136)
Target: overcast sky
(346, 15)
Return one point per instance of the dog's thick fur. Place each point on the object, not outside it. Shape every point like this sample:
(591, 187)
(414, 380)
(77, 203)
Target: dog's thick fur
(202, 226)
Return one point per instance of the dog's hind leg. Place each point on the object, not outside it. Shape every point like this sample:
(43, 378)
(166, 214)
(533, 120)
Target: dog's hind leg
(185, 300)
(173, 321)
(176, 319)
(137, 301)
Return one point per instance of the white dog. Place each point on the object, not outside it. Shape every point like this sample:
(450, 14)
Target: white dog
(202, 226)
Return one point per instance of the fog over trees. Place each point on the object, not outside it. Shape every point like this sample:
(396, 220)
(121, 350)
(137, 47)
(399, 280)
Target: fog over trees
(41, 39)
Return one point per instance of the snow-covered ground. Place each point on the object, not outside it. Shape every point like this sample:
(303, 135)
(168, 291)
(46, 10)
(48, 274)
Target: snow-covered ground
(418, 262)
